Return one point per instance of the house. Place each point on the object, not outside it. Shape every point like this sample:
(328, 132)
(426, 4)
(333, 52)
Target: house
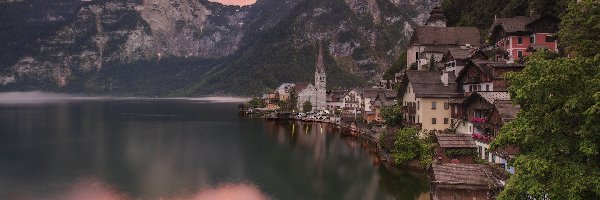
(485, 75)
(425, 98)
(484, 113)
(515, 37)
(465, 181)
(455, 148)
(335, 100)
(368, 95)
(455, 59)
(433, 41)
(353, 101)
(284, 91)
(384, 98)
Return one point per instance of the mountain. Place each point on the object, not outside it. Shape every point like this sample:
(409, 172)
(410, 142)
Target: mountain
(197, 47)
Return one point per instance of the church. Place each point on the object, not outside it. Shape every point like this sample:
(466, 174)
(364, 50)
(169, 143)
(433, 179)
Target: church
(316, 93)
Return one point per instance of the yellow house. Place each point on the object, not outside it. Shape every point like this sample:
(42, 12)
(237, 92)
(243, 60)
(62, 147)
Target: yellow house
(426, 97)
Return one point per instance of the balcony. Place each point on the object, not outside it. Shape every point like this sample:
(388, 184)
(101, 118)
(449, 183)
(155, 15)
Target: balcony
(473, 79)
(409, 109)
(479, 120)
(412, 124)
(482, 138)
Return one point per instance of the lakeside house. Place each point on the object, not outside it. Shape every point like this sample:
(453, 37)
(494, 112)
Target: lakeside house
(455, 148)
(426, 97)
(485, 75)
(455, 59)
(516, 37)
(465, 181)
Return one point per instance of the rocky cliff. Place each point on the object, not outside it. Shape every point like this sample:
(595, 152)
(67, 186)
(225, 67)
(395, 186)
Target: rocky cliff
(196, 47)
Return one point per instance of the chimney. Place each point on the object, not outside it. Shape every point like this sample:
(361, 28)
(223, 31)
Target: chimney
(445, 77)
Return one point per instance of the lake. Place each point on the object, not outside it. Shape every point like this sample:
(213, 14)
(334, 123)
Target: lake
(182, 149)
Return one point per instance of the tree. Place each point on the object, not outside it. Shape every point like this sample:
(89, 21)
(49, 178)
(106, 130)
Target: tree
(256, 103)
(392, 115)
(408, 146)
(307, 106)
(557, 129)
(579, 28)
(398, 66)
(431, 64)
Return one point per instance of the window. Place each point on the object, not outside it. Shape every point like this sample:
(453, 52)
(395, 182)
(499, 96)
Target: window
(418, 105)
(550, 38)
(487, 87)
(433, 105)
(433, 120)
(470, 88)
(519, 40)
(446, 120)
(417, 55)
(520, 54)
(532, 39)
(478, 87)
(446, 106)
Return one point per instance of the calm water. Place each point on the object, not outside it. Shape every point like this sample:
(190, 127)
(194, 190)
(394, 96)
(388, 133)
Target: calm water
(181, 149)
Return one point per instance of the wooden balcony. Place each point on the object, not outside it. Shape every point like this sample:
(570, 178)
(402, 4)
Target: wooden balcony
(409, 109)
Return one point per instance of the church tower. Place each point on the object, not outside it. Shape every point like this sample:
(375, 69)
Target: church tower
(320, 82)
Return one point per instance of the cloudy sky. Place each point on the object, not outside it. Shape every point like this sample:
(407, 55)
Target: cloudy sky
(235, 2)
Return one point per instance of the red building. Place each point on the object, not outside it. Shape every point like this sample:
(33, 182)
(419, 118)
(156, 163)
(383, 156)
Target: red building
(516, 37)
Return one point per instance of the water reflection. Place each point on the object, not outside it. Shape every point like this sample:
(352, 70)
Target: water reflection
(171, 149)
(351, 161)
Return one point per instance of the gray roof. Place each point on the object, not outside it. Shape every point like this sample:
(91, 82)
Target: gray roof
(513, 24)
(429, 35)
(506, 110)
(301, 86)
(429, 84)
(455, 140)
(461, 53)
(457, 175)
(370, 92)
(492, 97)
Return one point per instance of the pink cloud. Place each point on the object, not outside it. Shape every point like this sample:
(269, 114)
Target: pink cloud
(235, 2)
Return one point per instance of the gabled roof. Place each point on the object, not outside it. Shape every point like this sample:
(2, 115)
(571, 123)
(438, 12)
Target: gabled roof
(429, 35)
(506, 110)
(429, 84)
(487, 66)
(455, 140)
(490, 97)
(513, 24)
(370, 92)
(466, 175)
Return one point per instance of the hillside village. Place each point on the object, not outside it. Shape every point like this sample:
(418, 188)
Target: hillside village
(454, 88)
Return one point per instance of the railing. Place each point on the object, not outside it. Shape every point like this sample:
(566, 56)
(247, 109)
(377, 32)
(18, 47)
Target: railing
(409, 109)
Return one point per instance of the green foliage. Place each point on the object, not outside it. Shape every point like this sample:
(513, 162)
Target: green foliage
(557, 129)
(580, 28)
(408, 146)
(398, 66)
(307, 106)
(459, 152)
(256, 103)
(431, 64)
(290, 104)
(414, 66)
(392, 115)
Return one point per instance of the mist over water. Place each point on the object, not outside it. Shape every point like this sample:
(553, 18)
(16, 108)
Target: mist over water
(36, 97)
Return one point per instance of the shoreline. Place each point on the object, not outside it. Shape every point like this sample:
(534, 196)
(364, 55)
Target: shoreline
(348, 131)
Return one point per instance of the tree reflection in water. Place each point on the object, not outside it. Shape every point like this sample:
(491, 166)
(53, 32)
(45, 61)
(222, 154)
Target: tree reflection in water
(351, 162)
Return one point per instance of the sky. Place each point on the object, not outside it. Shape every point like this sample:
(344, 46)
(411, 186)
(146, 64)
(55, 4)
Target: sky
(235, 2)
